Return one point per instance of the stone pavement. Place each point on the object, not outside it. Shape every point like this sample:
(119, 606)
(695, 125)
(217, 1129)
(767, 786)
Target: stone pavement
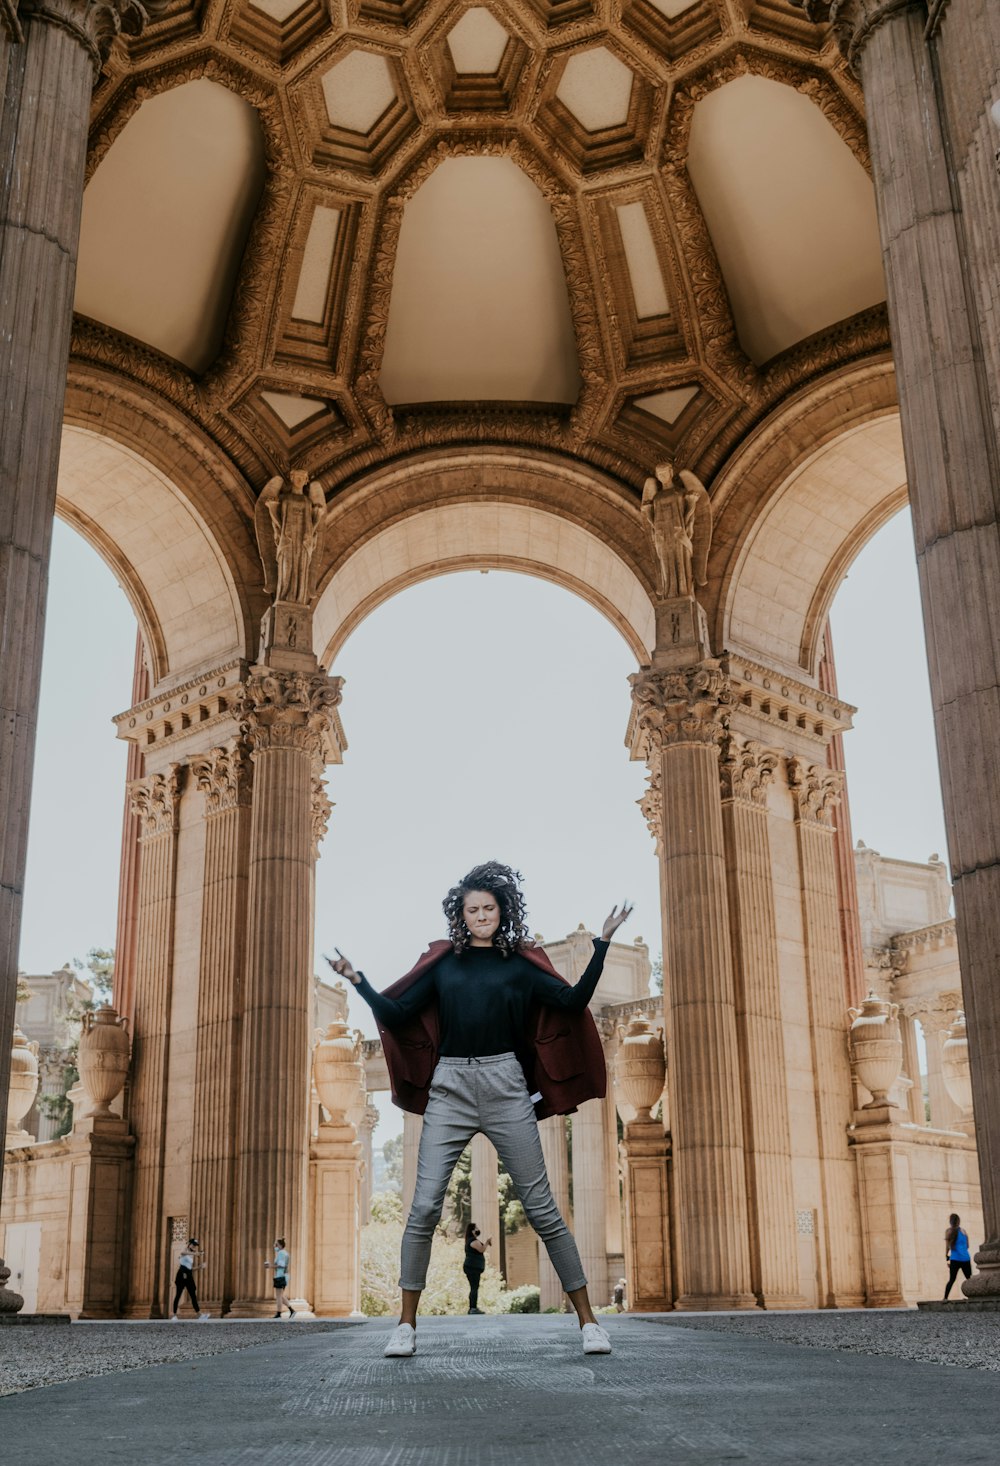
(481, 1392)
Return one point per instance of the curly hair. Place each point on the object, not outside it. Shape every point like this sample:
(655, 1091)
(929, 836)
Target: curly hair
(502, 882)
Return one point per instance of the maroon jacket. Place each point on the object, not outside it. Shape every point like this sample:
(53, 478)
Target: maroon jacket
(562, 1055)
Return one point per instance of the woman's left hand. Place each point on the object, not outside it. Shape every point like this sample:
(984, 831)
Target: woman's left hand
(614, 921)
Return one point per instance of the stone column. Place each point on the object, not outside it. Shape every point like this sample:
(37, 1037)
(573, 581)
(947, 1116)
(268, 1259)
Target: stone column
(928, 88)
(50, 55)
(369, 1119)
(911, 1068)
(552, 1133)
(155, 800)
(290, 719)
(944, 1112)
(485, 1202)
(589, 1197)
(815, 789)
(123, 993)
(679, 718)
(644, 1150)
(223, 776)
(412, 1126)
(747, 770)
(613, 1221)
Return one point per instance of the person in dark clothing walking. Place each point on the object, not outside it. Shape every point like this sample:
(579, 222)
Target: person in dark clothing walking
(486, 1012)
(187, 1264)
(475, 1263)
(956, 1245)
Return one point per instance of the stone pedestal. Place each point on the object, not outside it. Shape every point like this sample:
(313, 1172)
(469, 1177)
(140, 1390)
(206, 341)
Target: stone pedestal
(677, 723)
(289, 720)
(552, 1133)
(647, 1217)
(335, 1195)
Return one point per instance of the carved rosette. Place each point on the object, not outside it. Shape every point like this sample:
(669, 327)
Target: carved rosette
(292, 710)
(224, 775)
(690, 706)
(853, 22)
(746, 768)
(816, 791)
(155, 801)
(94, 23)
(321, 808)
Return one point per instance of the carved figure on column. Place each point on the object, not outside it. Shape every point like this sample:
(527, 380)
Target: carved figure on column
(322, 807)
(287, 518)
(677, 513)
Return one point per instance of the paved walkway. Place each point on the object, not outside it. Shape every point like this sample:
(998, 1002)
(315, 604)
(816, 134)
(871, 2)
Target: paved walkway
(481, 1392)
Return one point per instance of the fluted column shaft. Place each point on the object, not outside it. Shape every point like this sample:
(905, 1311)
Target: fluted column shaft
(288, 718)
(928, 93)
(614, 1240)
(412, 1127)
(911, 1068)
(223, 777)
(815, 790)
(155, 801)
(552, 1133)
(589, 1196)
(679, 719)
(46, 79)
(747, 771)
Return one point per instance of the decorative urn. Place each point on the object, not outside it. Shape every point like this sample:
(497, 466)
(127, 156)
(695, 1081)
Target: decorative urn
(103, 1058)
(23, 1086)
(955, 1065)
(876, 1048)
(338, 1071)
(641, 1065)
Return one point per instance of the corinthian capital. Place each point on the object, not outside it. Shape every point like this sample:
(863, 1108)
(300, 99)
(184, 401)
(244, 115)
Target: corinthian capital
(293, 710)
(816, 791)
(854, 21)
(94, 23)
(155, 801)
(223, 775)
(690, 706)
(746, 768)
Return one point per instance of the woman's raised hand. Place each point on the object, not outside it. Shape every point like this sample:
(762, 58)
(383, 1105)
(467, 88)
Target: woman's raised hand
(614, 921)
(342, 967)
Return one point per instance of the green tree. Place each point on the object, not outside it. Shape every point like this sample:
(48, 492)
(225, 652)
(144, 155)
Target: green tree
(392, 1155)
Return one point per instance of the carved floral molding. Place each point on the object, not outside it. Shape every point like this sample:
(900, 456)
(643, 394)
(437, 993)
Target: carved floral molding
(690, 706)
(155, 801)
(224, 775)
(816, 791)
(746, 768)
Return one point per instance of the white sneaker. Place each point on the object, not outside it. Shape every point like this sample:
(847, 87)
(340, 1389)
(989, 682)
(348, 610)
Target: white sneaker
(595, 1340)
(403, 1342)
(174, 1318)
(202, 1317)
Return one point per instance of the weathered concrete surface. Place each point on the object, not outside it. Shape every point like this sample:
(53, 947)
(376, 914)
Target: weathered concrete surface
(489, 1391)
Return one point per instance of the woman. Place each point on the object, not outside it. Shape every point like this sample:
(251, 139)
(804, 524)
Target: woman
(474, 1264)
(956, 1250)
(187, 1265)
(282, 1262)
(483, 1035)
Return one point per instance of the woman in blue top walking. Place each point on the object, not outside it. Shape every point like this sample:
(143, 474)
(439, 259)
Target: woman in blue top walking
(956, 1242)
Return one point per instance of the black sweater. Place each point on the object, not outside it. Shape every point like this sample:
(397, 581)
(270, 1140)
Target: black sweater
(484, 998)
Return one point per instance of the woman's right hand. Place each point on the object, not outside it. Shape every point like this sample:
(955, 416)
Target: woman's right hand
(342, 967)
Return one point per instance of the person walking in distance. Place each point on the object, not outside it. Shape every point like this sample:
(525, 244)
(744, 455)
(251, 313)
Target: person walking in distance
(618, 1295)
(281, 1264)
(474, 1264)
(956, 1250)
(483, 1036)
(187, 1265)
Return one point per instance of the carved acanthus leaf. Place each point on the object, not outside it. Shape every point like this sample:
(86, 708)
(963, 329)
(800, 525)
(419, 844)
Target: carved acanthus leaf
(690, 706)
(651, 804)
(816, 791)
(224, 775)
(94, 23)
(854, 21)
(292, 710)
(321, 808)
(155, 801)
(746, 768)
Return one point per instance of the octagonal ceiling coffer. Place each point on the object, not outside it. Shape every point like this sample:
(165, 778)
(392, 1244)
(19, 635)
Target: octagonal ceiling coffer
(476, 63)
(361, 109)
(279, 28)
(597, 109)
(675, 27)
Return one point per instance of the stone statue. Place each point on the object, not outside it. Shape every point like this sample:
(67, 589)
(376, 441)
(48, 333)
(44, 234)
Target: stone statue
(678, 516)
(287, 519)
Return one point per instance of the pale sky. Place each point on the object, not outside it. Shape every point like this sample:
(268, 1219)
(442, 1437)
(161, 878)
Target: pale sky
(485, 717)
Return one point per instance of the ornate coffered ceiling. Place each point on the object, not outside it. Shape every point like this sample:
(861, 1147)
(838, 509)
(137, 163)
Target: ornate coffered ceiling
(328, 235)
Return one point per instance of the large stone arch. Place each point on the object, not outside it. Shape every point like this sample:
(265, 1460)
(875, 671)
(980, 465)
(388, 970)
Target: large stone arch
(171, 566)
(450, 511)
